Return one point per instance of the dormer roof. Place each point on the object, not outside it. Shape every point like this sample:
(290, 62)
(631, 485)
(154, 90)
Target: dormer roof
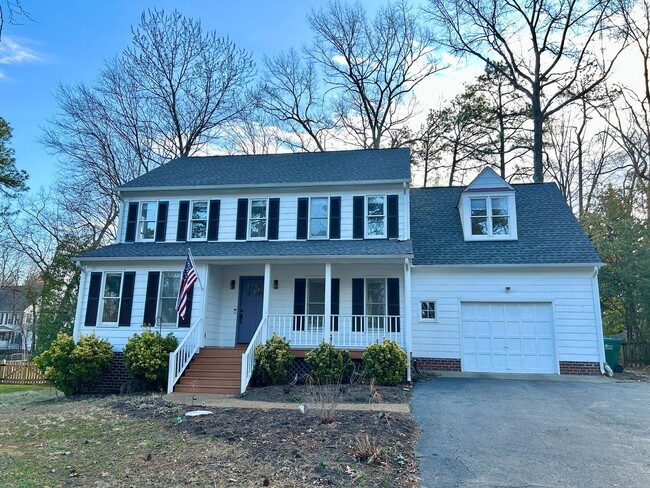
(488, 181)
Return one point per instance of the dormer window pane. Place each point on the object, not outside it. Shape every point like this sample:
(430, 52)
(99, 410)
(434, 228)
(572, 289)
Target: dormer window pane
(258, 219)
(479, 216)
(318, 217)
(375, 216)
(199, 220)
(148, 220)
(500, 220)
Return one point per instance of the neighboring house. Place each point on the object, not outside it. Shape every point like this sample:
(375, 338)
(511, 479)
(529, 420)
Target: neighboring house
(336, 246)
(16, 319)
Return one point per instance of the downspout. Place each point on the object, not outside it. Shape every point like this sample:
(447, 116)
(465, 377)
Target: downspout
(407, 317)
(407, 210)
(80, 294)
(599, 320)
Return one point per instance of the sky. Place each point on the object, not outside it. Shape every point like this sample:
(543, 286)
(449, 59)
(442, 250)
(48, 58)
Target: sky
(67, 42)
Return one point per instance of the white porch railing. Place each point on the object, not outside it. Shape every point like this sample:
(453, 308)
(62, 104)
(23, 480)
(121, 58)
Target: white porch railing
(346, 331)
(248, 358)
(181, 357)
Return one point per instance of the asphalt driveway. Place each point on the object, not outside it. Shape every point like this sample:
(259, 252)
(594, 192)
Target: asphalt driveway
(514, 433)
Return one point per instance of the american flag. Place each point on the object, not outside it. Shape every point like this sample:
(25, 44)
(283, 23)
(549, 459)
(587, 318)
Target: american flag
(187, 281)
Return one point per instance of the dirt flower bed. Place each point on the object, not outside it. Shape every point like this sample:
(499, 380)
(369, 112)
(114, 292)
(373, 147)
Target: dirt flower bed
(344, 393)
(641, 374)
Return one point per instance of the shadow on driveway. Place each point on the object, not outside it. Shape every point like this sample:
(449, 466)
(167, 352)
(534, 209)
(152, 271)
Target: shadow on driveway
(513, 433)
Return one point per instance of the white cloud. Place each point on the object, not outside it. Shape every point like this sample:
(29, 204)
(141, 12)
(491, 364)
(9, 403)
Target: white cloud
(12, 52)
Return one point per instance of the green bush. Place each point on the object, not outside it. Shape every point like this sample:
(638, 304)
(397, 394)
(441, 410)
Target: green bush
(385, 363)
(272, 361)
(329, 365)
(146, 357)
(75, 368)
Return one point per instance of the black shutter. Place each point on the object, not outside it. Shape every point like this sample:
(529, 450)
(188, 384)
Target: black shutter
(161, 223)
(334, 309)
(335, 218)
(131, 222)
(392, 304)
(357, 217)
(393, 216)
(357, 304)
(242, 218)
(126, 305)
(274, 218)
(151, 298)
(213, 222)
(303, 210)
(186, 322)
(93, 298)
(183, 217)
(299, 293)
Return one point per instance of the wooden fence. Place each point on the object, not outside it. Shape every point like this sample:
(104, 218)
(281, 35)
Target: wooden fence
(636, 353)
(20, 373)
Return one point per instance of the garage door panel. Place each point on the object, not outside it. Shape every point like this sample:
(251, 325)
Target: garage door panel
(508, 337)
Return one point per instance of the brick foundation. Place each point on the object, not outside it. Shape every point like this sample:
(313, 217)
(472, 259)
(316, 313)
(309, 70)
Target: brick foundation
(579, 367)
(437, 364)
(116, 377)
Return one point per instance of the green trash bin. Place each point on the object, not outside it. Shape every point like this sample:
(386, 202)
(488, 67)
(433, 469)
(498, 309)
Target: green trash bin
(612, 352)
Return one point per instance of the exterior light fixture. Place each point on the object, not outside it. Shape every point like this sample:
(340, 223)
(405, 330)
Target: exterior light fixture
(232, 284)
(275, 284)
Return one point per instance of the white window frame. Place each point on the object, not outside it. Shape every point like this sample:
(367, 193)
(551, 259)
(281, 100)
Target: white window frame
(166, 325)
(140, 221)
(382, 323)
(250, 219)
(190, 220)
(366, 216)
(327, 219)
(314, 321)
(102, 297)
(435, 311)
(466, 213)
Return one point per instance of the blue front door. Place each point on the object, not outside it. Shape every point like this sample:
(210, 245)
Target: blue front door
(251, 301)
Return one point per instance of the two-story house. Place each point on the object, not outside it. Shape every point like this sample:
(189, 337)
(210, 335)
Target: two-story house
(336, 246)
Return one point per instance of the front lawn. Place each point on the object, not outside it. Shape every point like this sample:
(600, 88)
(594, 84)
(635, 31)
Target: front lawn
(21, 388)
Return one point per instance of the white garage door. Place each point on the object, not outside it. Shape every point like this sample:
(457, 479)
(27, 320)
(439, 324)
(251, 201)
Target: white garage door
(508, 337)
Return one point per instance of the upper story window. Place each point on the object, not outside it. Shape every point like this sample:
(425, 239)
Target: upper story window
(376, 216)
(169, 284)
(258, 219)
(199, 220)
(111, 297)
(147, 221)
(318, 217)
(489, 216)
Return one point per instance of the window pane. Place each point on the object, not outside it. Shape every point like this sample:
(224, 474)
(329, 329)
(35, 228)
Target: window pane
(375, 226)
(200, 211)
(111, 308)
(148, 211)
(258, 228)
(147, 230)
(479, 226)
(499, 206)
(479, 207)
(198, 230)
(375, 205)
(258, 209)
(500, 225)
(317, 291)
(376, 291)
(428, 310)
(318, 228)
(112, 284)
(318, 207)
(170, 285)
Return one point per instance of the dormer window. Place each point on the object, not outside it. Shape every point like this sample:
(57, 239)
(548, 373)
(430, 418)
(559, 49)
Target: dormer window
(490, 216)
(147, 223)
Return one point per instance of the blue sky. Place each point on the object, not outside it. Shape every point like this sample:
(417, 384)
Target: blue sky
(68, 41)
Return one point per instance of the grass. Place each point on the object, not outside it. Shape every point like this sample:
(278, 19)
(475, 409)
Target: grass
(21, 388)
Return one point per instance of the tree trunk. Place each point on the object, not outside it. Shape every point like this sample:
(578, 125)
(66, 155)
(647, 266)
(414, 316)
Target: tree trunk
(538, 153)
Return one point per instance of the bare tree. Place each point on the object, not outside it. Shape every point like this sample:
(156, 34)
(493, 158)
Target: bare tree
(11, 10)
(254, 134)
(371, 66)
(547, 50)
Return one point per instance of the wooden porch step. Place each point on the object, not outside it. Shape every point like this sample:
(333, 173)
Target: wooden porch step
(220, 390)
(204, 381)
(211, 373)
(213, 370)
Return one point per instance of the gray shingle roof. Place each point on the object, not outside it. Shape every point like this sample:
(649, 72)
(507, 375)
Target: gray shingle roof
(273, 169)
(547, 230)
(252, 249)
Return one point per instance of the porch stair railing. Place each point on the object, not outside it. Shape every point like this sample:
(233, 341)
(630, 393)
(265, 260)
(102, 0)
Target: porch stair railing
(248, 358)
(181, 357)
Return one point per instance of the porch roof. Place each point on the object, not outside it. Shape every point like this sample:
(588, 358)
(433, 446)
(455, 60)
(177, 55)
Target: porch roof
(253, 249)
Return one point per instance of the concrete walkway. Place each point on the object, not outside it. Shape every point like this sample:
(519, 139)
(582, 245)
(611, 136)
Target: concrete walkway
(226, 401)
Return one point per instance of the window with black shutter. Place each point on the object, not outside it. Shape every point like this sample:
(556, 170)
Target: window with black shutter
(303, 216)
(92, 304)
(392, 210)
(151, 298)
(335, 217)
(131, 222)
(161, 222)
(128, 285)
(299, 295)
(274, 218)
(183, 216)
(242, 219)
(357, 217)
(213, 222)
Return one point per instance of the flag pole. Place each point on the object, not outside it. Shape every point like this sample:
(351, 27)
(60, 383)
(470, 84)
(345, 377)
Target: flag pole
(198, 278)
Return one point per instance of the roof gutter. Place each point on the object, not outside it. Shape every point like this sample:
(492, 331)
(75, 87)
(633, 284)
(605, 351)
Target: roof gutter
(511, 265)
(79, 260)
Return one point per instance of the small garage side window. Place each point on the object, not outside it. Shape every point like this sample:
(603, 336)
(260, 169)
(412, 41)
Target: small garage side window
(428, 311)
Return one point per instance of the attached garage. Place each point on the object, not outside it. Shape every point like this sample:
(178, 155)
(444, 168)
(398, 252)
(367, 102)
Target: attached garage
(508, 337)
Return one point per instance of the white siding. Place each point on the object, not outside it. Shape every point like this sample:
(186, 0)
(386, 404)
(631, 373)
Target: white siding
(568, 289)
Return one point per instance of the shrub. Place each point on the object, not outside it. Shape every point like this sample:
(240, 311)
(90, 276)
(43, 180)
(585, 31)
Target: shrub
(272, 361)
(146, 357)
(75, 368)
(385, 363)
(329, 365)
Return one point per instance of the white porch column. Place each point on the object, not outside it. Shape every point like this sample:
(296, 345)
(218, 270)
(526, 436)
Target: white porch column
(328, 302)
(79, 313)
(267, 295)
(407, 315)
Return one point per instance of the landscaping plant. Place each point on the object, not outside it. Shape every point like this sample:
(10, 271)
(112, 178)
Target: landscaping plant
(272, 361)
(385, 363)
(146, 357)
(75, 368)
(328, 364)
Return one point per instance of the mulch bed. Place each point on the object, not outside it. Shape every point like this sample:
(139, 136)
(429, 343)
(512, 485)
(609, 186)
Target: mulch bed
(634, 374)
(345, 393)
(288, 448)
